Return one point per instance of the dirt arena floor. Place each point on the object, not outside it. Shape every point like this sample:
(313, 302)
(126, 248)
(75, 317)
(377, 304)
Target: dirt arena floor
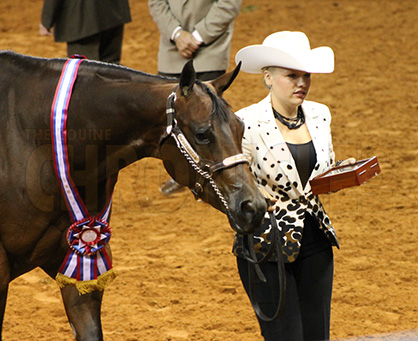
(177, 278)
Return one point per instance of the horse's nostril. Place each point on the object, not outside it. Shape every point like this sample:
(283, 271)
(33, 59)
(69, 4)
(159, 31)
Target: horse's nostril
(251, 214)
(248, 209)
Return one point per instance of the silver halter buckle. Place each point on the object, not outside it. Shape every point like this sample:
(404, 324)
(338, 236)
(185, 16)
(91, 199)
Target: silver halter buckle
(193, 158)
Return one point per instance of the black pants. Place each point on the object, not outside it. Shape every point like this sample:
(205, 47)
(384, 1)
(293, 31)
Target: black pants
(307, 311)
(105, 46)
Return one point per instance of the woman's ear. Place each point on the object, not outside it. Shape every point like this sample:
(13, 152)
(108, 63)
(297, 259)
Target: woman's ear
(267, 78)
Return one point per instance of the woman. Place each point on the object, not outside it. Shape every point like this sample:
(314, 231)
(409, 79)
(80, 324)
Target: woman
(288, 142)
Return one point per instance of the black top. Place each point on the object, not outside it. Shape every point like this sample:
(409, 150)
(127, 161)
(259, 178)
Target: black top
(305, 158)
(313, 240)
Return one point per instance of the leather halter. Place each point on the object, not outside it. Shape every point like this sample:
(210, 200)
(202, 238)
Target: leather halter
(205, 168)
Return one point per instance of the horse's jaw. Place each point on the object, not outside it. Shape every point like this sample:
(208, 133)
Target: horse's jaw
(244, 216)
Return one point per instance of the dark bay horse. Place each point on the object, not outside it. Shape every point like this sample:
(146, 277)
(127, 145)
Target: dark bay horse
(116, 116)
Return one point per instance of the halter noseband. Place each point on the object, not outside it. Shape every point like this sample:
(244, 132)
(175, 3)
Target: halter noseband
(204, 168)
(206, 171)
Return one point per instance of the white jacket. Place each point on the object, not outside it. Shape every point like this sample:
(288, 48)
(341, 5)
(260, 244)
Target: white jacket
(275, 170)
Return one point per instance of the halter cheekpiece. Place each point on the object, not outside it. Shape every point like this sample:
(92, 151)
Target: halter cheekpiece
(204, 168)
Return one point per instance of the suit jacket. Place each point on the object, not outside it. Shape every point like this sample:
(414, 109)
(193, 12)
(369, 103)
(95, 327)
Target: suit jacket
(76, 19)
(213, 19)
(274, 169)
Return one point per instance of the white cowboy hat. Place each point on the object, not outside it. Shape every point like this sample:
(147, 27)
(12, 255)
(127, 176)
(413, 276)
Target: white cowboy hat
(290, 50)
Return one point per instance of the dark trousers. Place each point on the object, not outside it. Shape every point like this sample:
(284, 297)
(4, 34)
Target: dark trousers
(307, 311)
(105, 46)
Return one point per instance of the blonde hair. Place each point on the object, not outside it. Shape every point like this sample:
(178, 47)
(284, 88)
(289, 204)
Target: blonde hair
(270, 69)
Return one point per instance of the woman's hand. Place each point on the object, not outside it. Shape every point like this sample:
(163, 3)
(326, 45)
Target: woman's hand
(271, 202)
(346, 162)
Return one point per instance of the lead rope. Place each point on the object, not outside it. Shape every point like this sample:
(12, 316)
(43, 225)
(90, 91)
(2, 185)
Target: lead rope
(253, 266)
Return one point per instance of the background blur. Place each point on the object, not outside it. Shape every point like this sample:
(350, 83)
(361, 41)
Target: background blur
(177, 278)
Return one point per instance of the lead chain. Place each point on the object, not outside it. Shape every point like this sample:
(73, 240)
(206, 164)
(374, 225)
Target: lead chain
(206, 175)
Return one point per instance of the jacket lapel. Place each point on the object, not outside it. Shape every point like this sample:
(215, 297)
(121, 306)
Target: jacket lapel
(276, 145)
(320, 137)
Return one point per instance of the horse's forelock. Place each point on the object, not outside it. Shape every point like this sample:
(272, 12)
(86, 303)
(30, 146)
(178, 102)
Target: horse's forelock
(219, 106)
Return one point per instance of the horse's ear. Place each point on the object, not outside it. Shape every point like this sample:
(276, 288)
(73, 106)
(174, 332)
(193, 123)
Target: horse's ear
(187, 78)
(223, 82)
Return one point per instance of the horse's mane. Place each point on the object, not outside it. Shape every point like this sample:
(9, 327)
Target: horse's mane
(119, 73)
(113, 72)
(220, 106)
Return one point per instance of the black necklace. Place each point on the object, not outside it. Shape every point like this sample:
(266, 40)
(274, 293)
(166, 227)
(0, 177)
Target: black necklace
(291, 123)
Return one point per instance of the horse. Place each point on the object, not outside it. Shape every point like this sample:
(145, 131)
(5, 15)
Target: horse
(116, 116)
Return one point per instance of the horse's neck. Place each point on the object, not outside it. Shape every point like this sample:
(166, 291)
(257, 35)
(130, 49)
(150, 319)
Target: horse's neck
(128, 115)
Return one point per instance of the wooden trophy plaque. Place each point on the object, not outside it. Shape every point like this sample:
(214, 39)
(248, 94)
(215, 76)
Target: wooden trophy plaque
(340, 177)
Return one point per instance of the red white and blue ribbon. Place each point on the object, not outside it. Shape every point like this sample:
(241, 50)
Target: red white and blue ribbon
(87, 258)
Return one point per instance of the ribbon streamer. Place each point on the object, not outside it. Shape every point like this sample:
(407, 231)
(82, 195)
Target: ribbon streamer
(87, 264)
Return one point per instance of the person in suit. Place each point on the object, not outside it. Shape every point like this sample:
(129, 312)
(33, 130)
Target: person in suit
(92, 28)
(200, 30)
(287, 141)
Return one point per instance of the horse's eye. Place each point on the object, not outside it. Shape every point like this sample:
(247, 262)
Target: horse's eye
(202, 138)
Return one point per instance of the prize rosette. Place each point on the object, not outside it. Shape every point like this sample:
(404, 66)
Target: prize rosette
(88, 235)
(87, 264)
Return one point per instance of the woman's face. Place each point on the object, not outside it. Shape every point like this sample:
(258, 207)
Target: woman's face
(289, 87)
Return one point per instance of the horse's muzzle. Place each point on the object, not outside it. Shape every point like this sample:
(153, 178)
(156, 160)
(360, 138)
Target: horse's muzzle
(248, 215)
